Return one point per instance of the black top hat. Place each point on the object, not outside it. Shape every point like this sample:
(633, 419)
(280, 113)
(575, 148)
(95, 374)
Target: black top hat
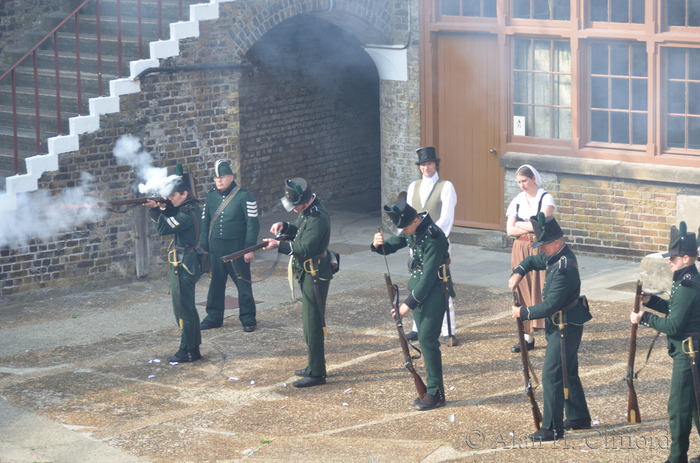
(400, 213)
(546, 229)
(682, 242)
(427, 154)
(297, 191)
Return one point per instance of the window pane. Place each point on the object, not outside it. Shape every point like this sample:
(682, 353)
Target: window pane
(521, 87)
(562, 124)
(675, 132)
(489, 8)
(675, 97)
(540, 9)
(619, 128)
(639, 129)
(693, 98)
(639, 94)
(562, 57)
(639, 60)
(471, 8)
(693, 133)
(599, 126)
(562, 90)
(526, 112)
(450, 7)
(599, 92)
(676, 63)
(619, 60)
(619, 11)
(543, 122)
(693, 13)
(599, 10)
(620, 94)
(599, 58)
(675, 12)
(562, 10)
(542, 89)
(521, 9)
(542, 55)
(694, 64)
(521, 54)
(638, 12)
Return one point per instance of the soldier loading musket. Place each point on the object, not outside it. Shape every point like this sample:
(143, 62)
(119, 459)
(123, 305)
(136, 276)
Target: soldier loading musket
(311, 261)
(681, 324)
(561, 293)
(428, 252)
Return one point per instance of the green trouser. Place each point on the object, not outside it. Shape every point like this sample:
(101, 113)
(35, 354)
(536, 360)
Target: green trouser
(682, 410)
(428, 316)
(220, 271)
(552, 382)
(313, 326)
(191, 334)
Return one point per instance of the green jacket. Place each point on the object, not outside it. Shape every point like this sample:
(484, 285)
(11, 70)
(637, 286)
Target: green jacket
(562, 286)
(429, 254)
(238, 221)
(312, 233)
(683, 309)
(181, 223)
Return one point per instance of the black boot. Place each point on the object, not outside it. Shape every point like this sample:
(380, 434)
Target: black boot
(583, 423)
(546, 435)
(309, 381)
(516, 348)
(429, 401)
(186, 355)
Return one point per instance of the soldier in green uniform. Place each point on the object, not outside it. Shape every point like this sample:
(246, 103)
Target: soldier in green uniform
(229, 224)
(311, 233)
(682, 322)
(429, 259)
(561, 305)
(181, 219)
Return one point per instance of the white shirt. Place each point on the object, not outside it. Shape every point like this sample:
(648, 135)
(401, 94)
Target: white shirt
(448, 197)
(529, 209)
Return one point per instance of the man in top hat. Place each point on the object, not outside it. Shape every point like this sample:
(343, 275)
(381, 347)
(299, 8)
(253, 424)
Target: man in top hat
(429, 259)
(681, 326)
(180, 218)
(564, 313)
(311, 261)
(437, 197)
(229, 224)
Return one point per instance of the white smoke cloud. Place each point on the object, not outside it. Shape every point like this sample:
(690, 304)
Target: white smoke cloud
(154, 180)
(40, 215)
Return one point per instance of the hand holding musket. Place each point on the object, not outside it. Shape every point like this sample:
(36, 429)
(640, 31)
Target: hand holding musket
(633, 415)
(527, 367)
(265, 245)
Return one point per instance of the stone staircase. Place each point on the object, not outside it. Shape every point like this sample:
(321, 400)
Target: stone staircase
(89, 83)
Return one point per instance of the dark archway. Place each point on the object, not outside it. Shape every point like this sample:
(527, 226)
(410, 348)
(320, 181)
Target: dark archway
(309, 107)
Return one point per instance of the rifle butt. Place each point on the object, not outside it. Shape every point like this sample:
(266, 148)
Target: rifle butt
(633, 415)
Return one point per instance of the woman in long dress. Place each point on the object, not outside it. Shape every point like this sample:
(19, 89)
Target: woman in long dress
(529, 202)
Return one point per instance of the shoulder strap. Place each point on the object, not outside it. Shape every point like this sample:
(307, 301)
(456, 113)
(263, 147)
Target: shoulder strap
(221, 207)
(539, 205)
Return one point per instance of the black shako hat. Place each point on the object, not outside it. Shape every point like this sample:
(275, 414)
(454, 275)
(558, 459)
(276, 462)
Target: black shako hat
(682, 242)
(427, 154)
(185, 183)
(222, 168)
(400, 213)
(297, 191)
(546, 230)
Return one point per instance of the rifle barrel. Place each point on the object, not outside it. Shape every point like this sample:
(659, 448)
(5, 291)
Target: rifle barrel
(524, 357)
(633, 415)
(243, 252)
(125, 202)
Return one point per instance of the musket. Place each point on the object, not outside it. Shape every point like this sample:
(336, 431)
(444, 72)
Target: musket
(527, 367)
(633, 415)
(126, 202)
(243, 252)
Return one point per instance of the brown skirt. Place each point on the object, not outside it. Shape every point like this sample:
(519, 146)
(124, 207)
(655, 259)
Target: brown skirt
(530, 287)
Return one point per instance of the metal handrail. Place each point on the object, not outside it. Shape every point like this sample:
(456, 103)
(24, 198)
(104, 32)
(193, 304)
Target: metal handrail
(54, 34)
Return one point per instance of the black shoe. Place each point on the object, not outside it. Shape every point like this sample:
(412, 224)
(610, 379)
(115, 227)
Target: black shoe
(249, 328)
(694, 459)
(186, 355)
(583, 423)
(451, 341)
(429, 401)
(412, 336)
(205, 325)
(516, 348)
(309, 381)
(546, 435)
(301, 373)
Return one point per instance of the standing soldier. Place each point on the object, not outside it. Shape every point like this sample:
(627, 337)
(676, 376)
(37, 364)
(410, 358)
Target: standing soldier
(229, 224)
(681, 326)
(428, 262)
(181, 219)
(439, 198)
(311, 233)
(564, 313)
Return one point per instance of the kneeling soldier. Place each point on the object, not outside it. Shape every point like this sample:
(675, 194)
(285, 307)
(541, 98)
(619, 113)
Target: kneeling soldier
(564, 313)
(681, 326)
(429, 259)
